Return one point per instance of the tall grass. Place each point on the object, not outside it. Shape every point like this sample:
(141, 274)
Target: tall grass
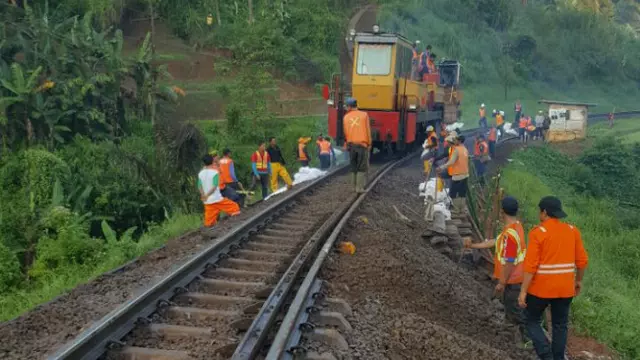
(608, 307)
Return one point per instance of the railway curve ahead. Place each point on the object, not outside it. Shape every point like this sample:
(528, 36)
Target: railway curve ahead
(229, 295)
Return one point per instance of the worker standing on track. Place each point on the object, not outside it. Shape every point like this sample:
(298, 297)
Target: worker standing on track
(458, 168)
(554, 254)
(545, 127)
(326, 153)
(539, 122)
(278, 168)
(493, 137)
(228, 180)
(214, 202)
(517, 108)
(430, 147)
(302, 153)
(357, 132)
(500, 122)
(261, 168)
(483, 118)
(510, 249)
(522, 129)
(319, 139)
(480, 157)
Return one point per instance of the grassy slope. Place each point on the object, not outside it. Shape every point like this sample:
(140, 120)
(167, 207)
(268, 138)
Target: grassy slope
(607, 309)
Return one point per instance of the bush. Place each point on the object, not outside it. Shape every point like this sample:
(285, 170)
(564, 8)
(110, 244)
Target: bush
(9, 268)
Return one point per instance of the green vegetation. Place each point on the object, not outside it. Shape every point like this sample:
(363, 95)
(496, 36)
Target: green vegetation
(626, 129)
(600, 191)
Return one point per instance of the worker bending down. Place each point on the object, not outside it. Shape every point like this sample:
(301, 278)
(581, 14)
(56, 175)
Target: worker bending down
(278, 168)
(510, 250)
(458, 168)
(302, 153)
(357, 132)
(326, 154)
(553, 272)
(229, 184)
(430, 147)
(214, 202)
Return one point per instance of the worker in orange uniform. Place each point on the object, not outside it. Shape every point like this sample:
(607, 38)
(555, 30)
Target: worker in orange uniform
(326, 153)
(214, 202)
(430, 147)
(483, 118)
(357, 133)
(278, 168)
(508, 270)
(261, 168)
(458, 168)
(553, 270)
(522, 128)
(229, 184)
(492, 138)
(415, 62)
(500, 122)
(319, 139)
(517, 108)
(480, 156)
(301, 152)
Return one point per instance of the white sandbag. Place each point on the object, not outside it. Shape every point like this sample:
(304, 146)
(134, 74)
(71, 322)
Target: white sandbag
(304, 174)
(440, 207)
(455, 126)
(509, 130)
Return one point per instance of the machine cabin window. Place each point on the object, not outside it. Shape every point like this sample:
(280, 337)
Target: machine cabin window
(374, 59)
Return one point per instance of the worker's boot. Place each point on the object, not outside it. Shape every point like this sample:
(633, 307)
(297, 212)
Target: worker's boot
(354, 181)
(458, 207)
(360, 180)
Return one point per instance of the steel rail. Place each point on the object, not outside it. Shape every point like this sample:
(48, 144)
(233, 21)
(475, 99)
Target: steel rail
(93, 342)
(278, 349)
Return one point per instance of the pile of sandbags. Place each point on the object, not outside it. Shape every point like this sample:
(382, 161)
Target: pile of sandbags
(304, 174)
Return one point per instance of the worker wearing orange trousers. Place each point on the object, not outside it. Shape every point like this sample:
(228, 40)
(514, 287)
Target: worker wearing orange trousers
(553, 270)
(214, 202)
(510, 250)
(357, 132)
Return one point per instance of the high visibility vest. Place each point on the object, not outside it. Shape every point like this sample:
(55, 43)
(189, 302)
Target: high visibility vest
(523, 123)
(325, 147)
(461, 166)
(499, 119)
(517, 232)
(493, 134)
(225, 170)
(262, 161)
(432, 140)
(482, 112)
(477, 151)
(357, 129)
(301, 154)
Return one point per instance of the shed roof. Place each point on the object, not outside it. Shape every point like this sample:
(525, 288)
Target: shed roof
(566, 103)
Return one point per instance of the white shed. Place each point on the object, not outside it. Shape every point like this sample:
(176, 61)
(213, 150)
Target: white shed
(568, 120)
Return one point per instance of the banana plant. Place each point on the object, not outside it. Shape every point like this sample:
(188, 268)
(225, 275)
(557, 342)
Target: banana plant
(22, 88)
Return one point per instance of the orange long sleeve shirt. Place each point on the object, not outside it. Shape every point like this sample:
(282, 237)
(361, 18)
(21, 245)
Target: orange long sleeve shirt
(357, 129)
(554, 252)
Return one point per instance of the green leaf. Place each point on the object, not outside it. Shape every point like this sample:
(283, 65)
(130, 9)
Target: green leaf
(108, 233)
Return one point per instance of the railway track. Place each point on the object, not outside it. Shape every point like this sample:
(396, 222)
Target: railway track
(224, 302)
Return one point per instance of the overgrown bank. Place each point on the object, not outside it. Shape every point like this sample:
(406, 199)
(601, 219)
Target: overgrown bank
(599, 190)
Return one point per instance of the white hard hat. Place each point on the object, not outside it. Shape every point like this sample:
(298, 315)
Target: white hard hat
(495, 111)
(501, 112)
(429, 128)
(482, 105)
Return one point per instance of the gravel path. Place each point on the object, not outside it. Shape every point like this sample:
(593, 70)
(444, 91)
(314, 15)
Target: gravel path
(43, 330)
(409, 301)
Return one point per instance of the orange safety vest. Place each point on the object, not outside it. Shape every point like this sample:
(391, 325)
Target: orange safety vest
(523, 123)
(516, 231)
(262, 161)
(461, 166)
(554, 253)
(357, 129)
(477, 151)
(325, 147)
(433, 139)
(493, 134)
(225, 170)
(499, 119)
(301, 154)
(482, 112)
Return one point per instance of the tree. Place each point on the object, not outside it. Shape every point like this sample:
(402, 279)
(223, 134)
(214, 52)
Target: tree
(22, 89)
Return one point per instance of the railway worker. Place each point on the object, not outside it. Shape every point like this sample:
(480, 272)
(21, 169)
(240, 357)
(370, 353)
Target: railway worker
(458, 168)
(261, 168)
(483, 117)
(229, 184)
(326, 154)
(508, 270)
(500, 122)
(492, 138)
(522, 129)
(517, 108)
(278, 168)
(430, 147)
(424, 61)
(539, 123)
(480, 156)
(545, 127)
(431, 63)
(553, 270)
(319, 139)
(357, 132)
(610, 118)
(214, 202)
(415, 62)
(301, 151)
